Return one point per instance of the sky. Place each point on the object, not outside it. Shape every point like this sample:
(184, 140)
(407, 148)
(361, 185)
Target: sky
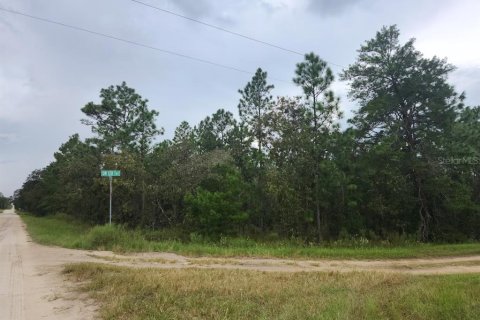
(48, 72)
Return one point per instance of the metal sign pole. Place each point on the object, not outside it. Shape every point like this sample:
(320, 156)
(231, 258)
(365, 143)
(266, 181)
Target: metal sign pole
(110, 174)
(110, 211)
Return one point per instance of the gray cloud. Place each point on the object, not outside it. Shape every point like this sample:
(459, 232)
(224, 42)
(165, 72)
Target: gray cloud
(194, 8)
(7, 137)
(333, 7)
(5, 24)
(209, 11)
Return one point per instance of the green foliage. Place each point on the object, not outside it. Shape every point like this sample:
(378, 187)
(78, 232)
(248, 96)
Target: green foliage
(215, 132)
(322, 114)
(217, 207)
(32, 196)
(114, 237)
(408, 164)
(122, 120)
(4, 202)
(406, 101)
(254, 103)
(59, 230)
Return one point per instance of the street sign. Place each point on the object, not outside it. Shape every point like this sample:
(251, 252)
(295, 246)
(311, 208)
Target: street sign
(110, 173)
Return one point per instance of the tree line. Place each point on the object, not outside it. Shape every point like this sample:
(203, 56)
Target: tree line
(407, 165)
(4, 202)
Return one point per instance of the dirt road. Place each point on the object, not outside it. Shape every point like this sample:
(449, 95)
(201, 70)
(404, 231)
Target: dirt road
(32, 286)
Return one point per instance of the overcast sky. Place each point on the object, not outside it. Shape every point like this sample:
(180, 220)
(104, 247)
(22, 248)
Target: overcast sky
(47, 72)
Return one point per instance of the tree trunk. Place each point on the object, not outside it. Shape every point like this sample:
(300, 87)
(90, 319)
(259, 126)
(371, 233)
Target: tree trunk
(424, 231)
(319, 225)
(261, 176)
(143, 199)
(316, 160)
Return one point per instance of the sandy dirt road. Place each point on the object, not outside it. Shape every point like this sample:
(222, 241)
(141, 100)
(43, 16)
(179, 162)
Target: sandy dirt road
(32, 285)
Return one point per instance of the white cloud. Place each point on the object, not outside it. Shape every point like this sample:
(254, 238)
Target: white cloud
(453, 33)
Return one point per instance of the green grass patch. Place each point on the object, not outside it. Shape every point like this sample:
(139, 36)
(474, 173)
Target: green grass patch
(65, 232)
(126, 293)
(59, 230)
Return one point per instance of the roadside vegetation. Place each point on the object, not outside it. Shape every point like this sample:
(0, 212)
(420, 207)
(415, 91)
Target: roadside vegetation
(126, 293)
(62, 231)
(4, 202)
(407, 165)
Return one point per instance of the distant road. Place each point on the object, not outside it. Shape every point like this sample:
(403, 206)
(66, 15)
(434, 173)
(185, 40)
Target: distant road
(31, 286)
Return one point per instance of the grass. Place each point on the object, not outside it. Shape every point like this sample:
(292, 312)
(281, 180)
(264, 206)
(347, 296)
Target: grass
(55, 230)
(65, 232)
(234, 294)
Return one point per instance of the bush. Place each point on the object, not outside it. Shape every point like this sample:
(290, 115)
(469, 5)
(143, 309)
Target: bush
(116, 238)
(166, 234)
(217, 212)
(105, 236)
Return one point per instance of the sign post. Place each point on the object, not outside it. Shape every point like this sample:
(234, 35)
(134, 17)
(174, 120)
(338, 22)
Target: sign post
(110, 174)
(110, 207)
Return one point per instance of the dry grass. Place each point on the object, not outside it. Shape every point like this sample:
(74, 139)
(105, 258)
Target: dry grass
(208, 262)
(437, 264)
(133, 260)
(108, 258)
(234, 294)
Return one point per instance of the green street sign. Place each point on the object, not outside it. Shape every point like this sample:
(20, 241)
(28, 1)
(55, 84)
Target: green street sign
(110, 173)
